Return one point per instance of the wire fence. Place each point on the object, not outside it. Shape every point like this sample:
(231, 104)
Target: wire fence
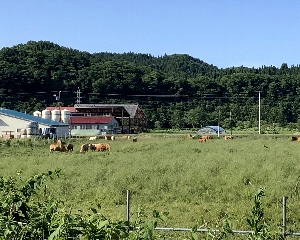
(204, 230)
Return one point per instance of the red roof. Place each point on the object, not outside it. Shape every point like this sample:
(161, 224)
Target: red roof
(91, 120)
(71, 109)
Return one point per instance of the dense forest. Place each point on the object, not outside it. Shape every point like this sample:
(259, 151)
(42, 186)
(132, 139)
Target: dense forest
(175, 91)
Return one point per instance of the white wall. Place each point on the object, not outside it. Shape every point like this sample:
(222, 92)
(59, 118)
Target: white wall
(11, 124)
(8, 123)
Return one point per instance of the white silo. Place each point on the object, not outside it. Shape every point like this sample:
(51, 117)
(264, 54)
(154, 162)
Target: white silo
(55, 115)
(32, 129)
(65, 115)
(23, 132)
(37, 114)
(46, 114)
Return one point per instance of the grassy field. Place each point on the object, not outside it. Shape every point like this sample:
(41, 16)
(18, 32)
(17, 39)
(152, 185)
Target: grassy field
(197, 183)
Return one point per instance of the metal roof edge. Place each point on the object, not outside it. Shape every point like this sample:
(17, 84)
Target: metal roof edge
(11, 114)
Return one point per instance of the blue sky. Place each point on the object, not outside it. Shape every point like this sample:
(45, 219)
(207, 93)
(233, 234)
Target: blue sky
(224, 33)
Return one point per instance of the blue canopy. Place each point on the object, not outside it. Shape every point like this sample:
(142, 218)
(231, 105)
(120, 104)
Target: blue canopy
(211, 130)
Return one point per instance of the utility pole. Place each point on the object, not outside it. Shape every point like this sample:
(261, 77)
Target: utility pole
(78, 101)
(259, 112)
(57, 98)
(230, 123)
(219, 125)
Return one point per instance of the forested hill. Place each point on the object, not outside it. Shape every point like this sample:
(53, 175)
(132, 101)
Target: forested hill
(176, 90)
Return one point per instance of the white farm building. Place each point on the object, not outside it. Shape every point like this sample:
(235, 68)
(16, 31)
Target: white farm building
(14, 124)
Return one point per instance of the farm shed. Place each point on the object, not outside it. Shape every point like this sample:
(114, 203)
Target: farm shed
(209, 130)
(130, 116)
(13, 123)
(93, 125)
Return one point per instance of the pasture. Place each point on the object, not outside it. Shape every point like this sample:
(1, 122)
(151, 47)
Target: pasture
(197, 183)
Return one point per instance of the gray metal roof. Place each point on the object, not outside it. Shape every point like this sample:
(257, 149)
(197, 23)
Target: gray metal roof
(30, 117)
(130, 108)
(212, 128)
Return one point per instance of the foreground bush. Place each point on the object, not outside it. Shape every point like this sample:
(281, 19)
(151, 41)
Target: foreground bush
(27, 212)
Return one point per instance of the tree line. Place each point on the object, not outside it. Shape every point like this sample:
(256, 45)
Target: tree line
(175, 91)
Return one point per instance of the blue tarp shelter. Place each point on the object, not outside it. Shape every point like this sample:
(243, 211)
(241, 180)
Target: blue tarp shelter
(211, 130)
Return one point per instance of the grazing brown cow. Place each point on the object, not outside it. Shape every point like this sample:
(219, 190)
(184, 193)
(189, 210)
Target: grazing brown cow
(110, 138)
(126, 137)
(84, 148)
(57, 147)
(293, 138)
(228, 137)
(54, 147)
(92, 147)
(101, 147)
(207, 137)
(190, 136)
(201, 140)
(70, 147)
(107, 147)
(298, 140)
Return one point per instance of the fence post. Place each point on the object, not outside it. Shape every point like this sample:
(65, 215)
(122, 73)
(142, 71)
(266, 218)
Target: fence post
(128, 206)
(284, 215)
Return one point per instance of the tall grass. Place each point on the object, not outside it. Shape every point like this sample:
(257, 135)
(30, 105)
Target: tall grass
(197, 183)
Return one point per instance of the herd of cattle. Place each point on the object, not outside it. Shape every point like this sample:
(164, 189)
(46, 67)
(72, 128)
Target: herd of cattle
(205, 138)
(100, 147)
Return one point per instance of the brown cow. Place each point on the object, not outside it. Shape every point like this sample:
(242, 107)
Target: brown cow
(134, 139)
(70, 147)
(190, 136)
(293, 138)
(92, 147)
(110, 138)
(101, 147)
(228, 137)
(84, 148)
(107, 147)
(54, 147)
(202, 140)
(57, 147)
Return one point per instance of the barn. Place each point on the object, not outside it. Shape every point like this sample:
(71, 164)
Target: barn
(14, 124)
(93, 125)
(211, 130)
(130, 118)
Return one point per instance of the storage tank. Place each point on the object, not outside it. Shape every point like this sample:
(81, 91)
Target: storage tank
(32, 125)
(46, 114)
(65, 115)
(55, 115)
(32, 132)
(32, 129)
(37, 114)
(23, 131)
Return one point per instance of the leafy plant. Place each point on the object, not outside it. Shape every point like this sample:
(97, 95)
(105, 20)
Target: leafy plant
(141, 229)
(261, 229)
(22, 218)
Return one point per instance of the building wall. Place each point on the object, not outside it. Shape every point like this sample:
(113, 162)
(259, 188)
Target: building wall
(11, 124)
(14, 125)
(62, 131)
(95, 129)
